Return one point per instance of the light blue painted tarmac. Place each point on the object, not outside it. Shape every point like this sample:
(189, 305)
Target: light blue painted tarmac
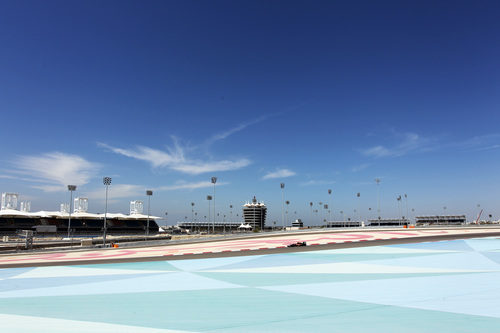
(448, 286)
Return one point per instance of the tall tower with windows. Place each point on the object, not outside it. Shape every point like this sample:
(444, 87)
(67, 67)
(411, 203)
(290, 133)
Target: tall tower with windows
(254, 213)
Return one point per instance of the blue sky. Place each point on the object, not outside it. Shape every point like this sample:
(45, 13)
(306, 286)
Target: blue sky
(319, 95)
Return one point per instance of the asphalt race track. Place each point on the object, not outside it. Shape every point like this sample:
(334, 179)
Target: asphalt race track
(258, 245)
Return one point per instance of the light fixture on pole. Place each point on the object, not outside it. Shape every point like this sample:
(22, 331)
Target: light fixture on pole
(359, 210)
(311, 205)
(209, 197)
(192, 211)
(320, 212)
(399, 208)
(407, 212)
(282, 185)
(71, 188)
(106, 181)
(287, 203)
(149, 193)
(329, 203)
(325, 206)
(231, 218)
(214, 180)
(377, 180)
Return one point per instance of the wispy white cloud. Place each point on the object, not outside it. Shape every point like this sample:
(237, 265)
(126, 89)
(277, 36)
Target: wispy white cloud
(481, 142)
(50, 188)
(240, 127)
(157, 158)
(8, 177)
(199, 167)
(56, 170)
(132, 191)
(490, 147)
(174, 159)
(408, 143)
(313, 182)
(188, 186)
(413, 143)
(360, 167)
(118, 191)
(280, 173)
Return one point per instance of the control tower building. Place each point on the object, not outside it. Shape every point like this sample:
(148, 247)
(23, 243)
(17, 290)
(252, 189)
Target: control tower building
(254, 213)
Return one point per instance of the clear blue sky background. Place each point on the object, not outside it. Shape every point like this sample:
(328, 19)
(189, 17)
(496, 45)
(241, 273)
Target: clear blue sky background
(163, 95)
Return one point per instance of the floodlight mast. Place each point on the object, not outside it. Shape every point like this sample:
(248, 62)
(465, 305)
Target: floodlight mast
(329, 203)
(214, 180)
(311, 205)
(377, 181)
(106, 181)
(287, 203)
(209, 197)
(192, 211)
(282, 186)
(359, 205)
(320, 212)
(407, 212)
(71, 188)
(149, 193)
(399, 208)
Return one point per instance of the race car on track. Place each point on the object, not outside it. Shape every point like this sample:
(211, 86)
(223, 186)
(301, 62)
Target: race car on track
(297, 244)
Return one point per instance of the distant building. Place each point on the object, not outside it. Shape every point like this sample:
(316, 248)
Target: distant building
(388, 222)
(344, 224)
(9, 201)
(441, 219)
(208, 226)
(254, 214)
(298, 224)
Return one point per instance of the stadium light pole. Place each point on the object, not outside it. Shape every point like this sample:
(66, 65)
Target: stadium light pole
(214, 180)
(329, 203)
(406, 202)
(287, 203)
(71, 188)
(325, 206)
(106, 181)
(359, 205)
(231, 218)
(149, 193)
(399, 208)
(377, 181)
(320, 213)
(282, 186)
(192, 211)
(209, 197)
(311, 205)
